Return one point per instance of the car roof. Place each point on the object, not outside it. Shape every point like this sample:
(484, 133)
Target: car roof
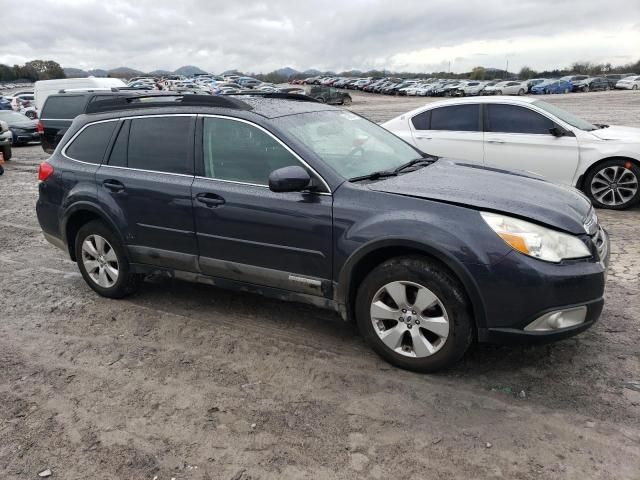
(258, 105)
(488, 99)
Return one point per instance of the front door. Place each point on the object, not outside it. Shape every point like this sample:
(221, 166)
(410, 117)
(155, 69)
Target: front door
(518, 138)
(245, 231)
(146, 187)
(453, 131)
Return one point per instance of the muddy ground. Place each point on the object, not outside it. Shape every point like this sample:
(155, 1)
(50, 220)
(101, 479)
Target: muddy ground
(187, 381)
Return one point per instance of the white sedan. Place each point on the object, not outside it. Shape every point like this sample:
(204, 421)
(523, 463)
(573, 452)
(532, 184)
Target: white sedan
(520, 133)
(510, 87)
(629, 83)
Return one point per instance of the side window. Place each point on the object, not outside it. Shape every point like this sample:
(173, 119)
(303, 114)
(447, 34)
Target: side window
(459, 118)
(161, 144)
(422, 121)
(514, 119)
(118, 157)
(240, 152)
(63, 107)
(92, 143)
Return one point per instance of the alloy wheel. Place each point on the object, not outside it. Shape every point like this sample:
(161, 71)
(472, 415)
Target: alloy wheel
(614, 185)
(100, 261)
(409, 319)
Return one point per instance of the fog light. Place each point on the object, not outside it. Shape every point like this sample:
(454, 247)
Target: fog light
(558, 319)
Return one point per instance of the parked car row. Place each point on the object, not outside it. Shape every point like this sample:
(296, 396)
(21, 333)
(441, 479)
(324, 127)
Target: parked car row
(454, 87)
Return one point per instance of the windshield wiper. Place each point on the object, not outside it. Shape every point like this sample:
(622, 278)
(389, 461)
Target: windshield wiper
(601, 125)
(422, 161)
(374, 175)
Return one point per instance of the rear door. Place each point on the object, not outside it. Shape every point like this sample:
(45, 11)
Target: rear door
(518, 138)
(145, 186)
(452, 131)
(245, 231)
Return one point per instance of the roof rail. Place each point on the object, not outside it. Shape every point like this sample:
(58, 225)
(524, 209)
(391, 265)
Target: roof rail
(281, 95)
(123, 102)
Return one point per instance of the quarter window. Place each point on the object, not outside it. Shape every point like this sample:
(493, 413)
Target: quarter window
(240, 152)
(91, 144)
(161, 144)
(460, 118)
(514, 119)
(422, 121)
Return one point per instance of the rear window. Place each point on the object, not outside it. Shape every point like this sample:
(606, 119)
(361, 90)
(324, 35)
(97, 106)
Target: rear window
(92, 142)
(65, 107)
(459, 118)
(161, 144)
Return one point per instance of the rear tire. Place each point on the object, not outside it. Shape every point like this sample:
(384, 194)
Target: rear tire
(436, 327)
(105, 268)
(622, 173)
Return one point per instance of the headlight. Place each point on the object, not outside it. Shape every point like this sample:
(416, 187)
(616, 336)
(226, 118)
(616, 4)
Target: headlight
(534, 240)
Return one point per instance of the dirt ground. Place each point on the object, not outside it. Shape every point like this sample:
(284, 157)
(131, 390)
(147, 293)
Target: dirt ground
(187, 381)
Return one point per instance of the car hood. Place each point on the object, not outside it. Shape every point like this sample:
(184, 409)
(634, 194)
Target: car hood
(26, 124)
(614, 132)
(516, 193)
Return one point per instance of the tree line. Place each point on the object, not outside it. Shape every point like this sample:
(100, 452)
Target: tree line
(32, 71)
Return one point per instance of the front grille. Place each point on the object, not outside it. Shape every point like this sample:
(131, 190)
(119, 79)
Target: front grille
(597, 234)
(600, 241)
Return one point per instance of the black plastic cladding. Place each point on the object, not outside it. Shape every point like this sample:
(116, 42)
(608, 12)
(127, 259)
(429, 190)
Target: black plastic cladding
(135, 102)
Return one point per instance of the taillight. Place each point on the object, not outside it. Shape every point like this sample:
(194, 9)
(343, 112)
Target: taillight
(45, 171)
(40, 128)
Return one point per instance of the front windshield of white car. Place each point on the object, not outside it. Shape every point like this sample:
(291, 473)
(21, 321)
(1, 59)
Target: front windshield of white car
(565, 116)
(349, 144)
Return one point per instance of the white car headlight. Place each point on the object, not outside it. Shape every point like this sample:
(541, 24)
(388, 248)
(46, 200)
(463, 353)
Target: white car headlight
(534, 240)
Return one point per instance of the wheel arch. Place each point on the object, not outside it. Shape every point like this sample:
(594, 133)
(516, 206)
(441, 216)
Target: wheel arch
(580, 183)
(365, 259)
(80, 214)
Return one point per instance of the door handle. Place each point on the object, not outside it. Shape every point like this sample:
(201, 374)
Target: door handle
(496, 141)
(113, 185)
(423, 137)
(210, 199)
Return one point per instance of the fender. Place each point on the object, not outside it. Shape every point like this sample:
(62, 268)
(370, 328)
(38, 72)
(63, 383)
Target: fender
(343, 288)
(84, 205)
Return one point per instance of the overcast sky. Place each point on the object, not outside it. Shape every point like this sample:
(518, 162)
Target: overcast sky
(259, 36)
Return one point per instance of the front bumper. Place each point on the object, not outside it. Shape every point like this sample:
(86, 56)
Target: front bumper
(529, 290)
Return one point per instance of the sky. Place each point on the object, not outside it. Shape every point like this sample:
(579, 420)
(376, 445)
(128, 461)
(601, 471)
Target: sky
(259, 36)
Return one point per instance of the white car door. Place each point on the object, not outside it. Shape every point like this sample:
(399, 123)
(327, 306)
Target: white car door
(452, 131)
(518, 138)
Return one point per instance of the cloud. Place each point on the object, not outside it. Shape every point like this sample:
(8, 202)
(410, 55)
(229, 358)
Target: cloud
(260, 36)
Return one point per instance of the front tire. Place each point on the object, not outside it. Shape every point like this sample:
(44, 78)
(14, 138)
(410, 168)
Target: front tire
(614, 184)
(414, 314)
(521, 92)
(103, 263)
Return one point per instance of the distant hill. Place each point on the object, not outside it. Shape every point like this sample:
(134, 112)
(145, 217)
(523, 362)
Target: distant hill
(98, 72)
(160, 73)
(287, 72)
(75, 73)
(312, 72)
(188, 70)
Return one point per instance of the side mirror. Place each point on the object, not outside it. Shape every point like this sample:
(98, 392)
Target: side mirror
(558, 131)
(289, 179)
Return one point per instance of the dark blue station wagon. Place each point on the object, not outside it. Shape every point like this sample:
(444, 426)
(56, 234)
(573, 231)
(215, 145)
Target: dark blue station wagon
(306, 202)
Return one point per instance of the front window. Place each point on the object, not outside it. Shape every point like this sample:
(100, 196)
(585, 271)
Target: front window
(349, 144)
(565, 116)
